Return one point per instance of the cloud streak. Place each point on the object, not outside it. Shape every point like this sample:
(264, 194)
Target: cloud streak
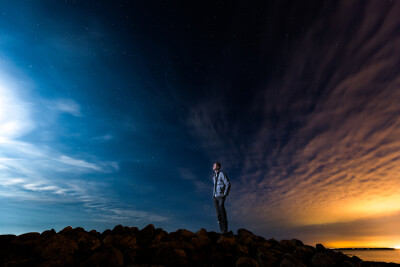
(338, 160)
(39, 173)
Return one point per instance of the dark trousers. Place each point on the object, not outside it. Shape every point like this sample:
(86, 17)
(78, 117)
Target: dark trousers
(221, 213)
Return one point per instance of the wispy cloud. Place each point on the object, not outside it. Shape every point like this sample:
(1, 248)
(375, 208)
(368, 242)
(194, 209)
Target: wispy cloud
(200, 185)
(14, 117)
(102, 166)
(338, 160)
(66, 105)
(103, 138)
(38, 171)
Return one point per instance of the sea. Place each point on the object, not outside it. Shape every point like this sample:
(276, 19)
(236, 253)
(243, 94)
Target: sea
(375, 255)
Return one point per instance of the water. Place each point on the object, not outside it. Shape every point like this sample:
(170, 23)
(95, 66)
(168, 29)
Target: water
(375, 255)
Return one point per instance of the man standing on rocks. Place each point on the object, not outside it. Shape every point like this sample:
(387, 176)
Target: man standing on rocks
(220, 192)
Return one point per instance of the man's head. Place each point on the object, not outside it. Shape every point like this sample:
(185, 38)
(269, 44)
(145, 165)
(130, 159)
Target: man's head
(216, 166)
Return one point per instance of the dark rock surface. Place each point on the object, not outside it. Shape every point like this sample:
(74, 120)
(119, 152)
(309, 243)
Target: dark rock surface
(129, 246)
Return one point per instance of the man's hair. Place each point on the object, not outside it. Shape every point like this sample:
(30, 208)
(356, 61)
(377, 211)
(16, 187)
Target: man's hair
(218, 164)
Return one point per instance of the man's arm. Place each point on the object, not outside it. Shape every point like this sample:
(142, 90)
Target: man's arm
(227, 184)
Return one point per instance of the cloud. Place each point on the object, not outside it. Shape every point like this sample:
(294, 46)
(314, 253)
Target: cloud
(326, 151)
(341, 163)
(38, 171)
(14, 118)
(207, 123)
(66, 105)
(102, 166)
(103, 138)
(200, 185)
(129, 214)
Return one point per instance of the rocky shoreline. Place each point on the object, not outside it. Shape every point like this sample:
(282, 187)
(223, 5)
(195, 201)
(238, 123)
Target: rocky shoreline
(129, 246)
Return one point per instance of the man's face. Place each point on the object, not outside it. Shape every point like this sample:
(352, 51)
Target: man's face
(215, 167)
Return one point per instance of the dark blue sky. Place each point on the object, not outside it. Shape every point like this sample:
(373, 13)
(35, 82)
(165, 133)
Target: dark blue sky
(112, 112)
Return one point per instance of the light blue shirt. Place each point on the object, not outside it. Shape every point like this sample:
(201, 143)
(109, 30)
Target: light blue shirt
(221, 185)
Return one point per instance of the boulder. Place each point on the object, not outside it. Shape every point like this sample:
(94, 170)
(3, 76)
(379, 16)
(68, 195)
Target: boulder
(121, 242)
(174, 244)
(290, 260)
(185, 235)
(170, 256)
(242, 231)
(106, 257)
(146, 235)
(213, 236)
(273, 242)
(322, 259)
(246, 262)
(240, 250)
(22, 246)
(200, 241)
(58, 249)
(287, 245)
(320, 248)
(245, 237)
(268, 258)
(105, 233)
(202, 231)
(47, 234)
(162, 236)
(226, 243)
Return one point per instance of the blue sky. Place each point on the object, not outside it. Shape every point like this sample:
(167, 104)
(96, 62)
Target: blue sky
(113, 113)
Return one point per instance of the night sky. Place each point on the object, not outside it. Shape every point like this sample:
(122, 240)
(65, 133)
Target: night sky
(112, 112)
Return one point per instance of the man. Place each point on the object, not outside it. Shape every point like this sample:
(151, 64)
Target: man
(220, 192)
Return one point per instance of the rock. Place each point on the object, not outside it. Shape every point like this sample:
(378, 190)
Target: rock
(129, 246)
(105, 233)
(355, 259)
(130, 256)
(186, 235)
(245, 237)
(120, 230)
(86, 241)
(240, 250)
(321, 259)
(213, 236)
(66, 230)
(242, 231)
(106, 257)
(297, 242)
(21, 262)
(47, 234)
(273, 242)
(290, 260)
(304, 254)
(162, 236)
(287, 245)
(26, 239)
(146, 235)
(59, 250)
(246, 262)
(320, 248)
(174, 244)
(226, 242)
(202, 231)
(5, 239)
(170, 256)
(22, 246)
(148, 228)
(121, 242)
(200, 241)
(347, 264)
